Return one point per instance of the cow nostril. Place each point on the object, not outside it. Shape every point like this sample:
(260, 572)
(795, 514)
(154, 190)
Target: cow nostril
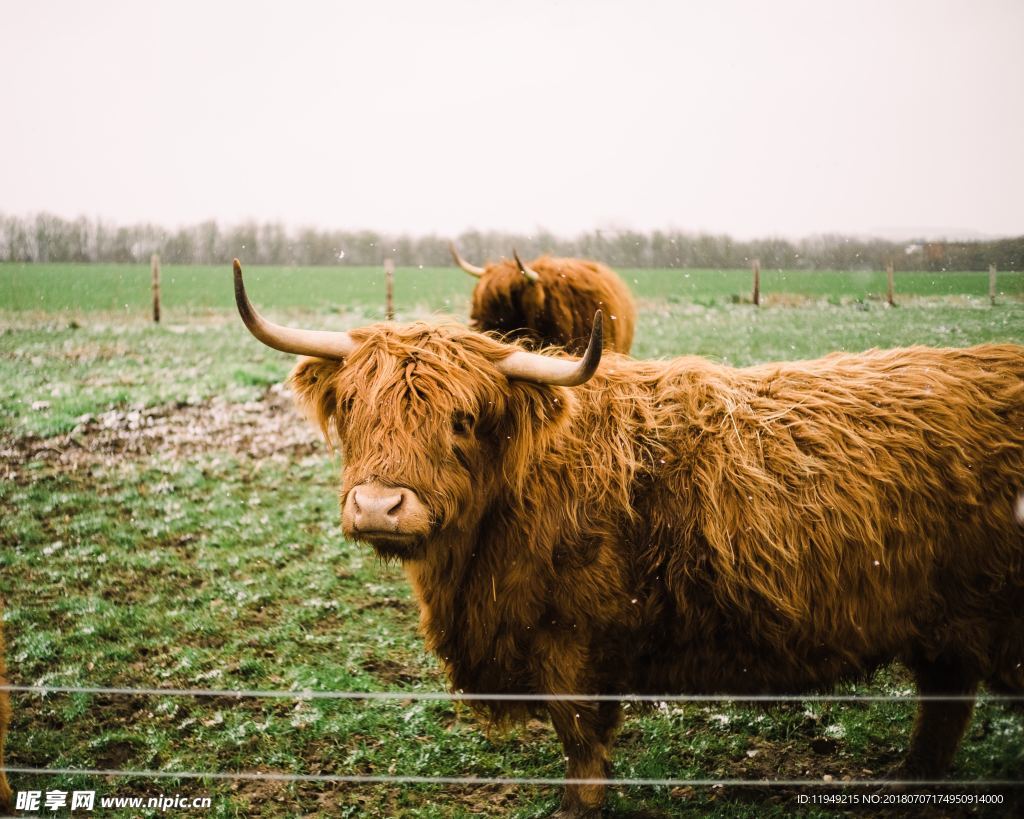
(370, 507)
(398, 504)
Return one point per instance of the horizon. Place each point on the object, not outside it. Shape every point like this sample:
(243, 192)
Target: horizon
(891, 235)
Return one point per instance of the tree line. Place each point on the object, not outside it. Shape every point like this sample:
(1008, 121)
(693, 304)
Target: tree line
(44, 237)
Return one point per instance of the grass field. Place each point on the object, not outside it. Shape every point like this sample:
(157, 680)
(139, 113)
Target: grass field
(168, 521)
(126, 288)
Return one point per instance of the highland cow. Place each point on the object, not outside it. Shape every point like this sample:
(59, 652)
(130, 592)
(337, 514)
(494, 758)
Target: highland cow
(655, 527)
(550, 301)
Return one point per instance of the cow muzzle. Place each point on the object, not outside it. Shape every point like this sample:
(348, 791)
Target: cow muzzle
(392, 519)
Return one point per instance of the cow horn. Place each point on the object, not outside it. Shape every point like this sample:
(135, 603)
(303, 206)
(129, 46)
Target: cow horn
(319, 343)
(471, 269)
(543, 369)
(529, 272)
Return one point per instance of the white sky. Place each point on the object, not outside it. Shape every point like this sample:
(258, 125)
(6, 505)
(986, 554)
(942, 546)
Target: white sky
(753, 118)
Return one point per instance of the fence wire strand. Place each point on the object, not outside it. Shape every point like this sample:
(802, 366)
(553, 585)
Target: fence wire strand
(444, 696)
(388, 779)
(440, 696)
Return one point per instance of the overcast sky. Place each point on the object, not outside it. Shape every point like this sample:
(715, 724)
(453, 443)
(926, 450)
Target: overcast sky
(752, 118)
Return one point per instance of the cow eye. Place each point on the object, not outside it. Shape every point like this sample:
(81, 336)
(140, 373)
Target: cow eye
(462, 423)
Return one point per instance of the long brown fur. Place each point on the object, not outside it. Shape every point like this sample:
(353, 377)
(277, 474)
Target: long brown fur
(557, 310)
(685, 527)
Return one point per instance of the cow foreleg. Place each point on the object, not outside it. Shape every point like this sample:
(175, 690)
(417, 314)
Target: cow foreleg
(6, 801)
(585, 730)
(940, 723)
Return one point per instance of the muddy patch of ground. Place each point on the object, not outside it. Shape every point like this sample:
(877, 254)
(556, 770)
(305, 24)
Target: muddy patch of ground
(255, 429)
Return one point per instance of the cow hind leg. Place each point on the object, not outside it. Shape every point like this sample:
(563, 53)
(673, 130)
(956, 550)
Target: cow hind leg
(5, 719)
(6, 801)
(940, 724)
(585, 730)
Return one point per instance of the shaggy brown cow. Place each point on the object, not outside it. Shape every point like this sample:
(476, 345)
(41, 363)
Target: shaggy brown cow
(550, 301)
(682, 526)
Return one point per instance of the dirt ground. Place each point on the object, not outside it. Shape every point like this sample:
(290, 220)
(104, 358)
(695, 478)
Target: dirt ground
(256, 429)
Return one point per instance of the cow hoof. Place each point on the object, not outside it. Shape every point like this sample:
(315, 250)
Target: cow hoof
(913, 770)
(576, 812)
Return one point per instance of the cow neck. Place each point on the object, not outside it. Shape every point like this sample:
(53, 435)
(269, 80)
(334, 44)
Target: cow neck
(435, 579)
(477, 590)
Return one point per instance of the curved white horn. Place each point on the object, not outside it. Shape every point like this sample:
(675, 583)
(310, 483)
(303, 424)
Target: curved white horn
(543, 369)
(319, 343)
(471, 269)
(529, 272)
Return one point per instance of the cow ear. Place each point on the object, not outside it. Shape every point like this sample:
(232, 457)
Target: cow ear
(537, 414)
(313, 384)
(533, 297)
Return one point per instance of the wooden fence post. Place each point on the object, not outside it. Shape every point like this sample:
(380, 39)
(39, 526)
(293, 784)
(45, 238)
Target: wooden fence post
(389, 289)
(756, 265)
(889, 287)
(992, 284)
(154, 264)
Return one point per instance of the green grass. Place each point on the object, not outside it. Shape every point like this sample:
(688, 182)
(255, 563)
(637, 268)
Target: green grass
(704, 285)
(229, 573)
(213, 567)
(53, 369)
(125, 289)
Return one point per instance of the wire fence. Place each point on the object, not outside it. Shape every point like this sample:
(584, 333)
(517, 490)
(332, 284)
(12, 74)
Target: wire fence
(387, 779)
(459, 696)
(442, 696)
